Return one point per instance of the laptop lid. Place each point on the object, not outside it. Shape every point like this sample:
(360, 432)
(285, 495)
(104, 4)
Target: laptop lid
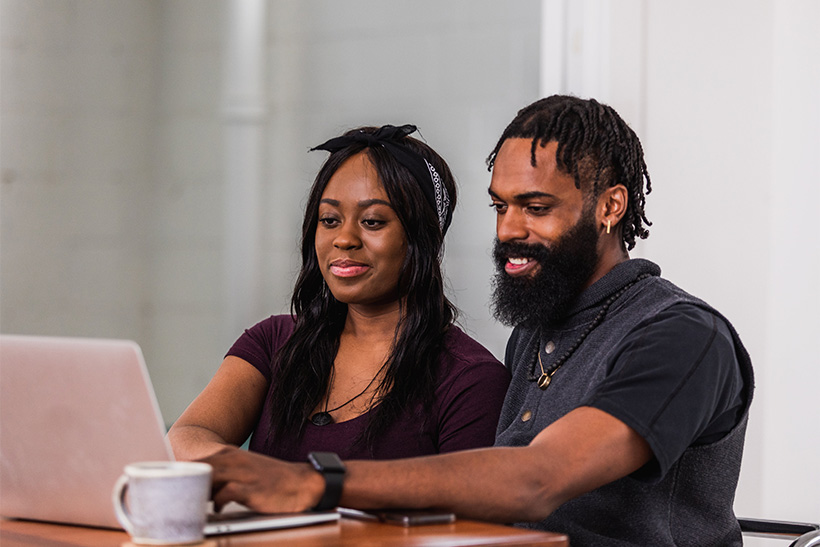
(73, 413)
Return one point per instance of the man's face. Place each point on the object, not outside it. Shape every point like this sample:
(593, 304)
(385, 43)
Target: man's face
(546, 251)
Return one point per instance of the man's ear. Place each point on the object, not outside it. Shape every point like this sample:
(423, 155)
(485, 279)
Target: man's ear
(611, 207)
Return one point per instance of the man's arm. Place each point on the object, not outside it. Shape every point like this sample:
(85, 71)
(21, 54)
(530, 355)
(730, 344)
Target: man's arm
(585, 449)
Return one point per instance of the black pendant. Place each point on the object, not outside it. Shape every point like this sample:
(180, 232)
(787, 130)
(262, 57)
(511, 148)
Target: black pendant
(321, 418)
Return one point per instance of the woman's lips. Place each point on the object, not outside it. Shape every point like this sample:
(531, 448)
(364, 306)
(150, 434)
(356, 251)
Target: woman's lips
(517, 266)
(347, 268)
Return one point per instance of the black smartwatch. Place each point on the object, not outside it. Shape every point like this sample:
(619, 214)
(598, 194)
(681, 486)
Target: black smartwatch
(333, 471)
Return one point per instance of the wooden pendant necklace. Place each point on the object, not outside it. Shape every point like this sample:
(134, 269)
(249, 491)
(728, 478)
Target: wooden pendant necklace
(545, 379)
(324, 417)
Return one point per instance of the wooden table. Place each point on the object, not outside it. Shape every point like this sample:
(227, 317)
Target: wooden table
(345, 533)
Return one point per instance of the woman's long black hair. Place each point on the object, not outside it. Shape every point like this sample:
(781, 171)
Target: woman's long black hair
(302, 368)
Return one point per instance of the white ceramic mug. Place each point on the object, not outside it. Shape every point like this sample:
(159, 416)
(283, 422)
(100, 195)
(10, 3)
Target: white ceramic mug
(161, 503)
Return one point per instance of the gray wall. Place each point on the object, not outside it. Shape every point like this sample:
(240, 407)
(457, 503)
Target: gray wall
(114, 179)
(113, 213)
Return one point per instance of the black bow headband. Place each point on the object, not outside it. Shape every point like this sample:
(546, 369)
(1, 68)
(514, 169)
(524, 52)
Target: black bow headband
(389, 137)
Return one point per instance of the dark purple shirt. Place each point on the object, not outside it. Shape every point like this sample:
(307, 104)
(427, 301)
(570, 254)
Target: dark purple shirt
(468, 397)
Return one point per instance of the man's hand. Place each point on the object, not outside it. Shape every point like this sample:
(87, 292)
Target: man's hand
(582, 451)
(263, 483)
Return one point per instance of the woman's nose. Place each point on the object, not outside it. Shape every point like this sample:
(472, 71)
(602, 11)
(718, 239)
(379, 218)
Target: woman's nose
(347, 237)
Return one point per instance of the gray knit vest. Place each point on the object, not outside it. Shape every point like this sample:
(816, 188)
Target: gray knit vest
(693, 503)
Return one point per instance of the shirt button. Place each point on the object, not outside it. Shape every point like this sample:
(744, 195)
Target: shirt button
(550, 347)
(525, 417)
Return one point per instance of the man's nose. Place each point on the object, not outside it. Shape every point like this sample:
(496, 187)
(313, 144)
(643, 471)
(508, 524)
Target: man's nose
(511, 226)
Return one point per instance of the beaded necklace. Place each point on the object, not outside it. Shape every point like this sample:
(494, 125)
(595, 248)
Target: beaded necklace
(545, 378)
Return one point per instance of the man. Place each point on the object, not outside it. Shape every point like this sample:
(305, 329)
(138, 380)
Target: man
(625, 419)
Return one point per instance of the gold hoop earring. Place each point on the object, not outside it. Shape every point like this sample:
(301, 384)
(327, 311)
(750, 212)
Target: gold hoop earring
(608, 226)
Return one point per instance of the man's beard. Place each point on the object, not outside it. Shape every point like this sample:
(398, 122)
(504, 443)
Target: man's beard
(563, 270)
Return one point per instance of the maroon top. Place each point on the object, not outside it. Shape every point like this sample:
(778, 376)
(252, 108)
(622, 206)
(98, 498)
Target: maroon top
(468, 398)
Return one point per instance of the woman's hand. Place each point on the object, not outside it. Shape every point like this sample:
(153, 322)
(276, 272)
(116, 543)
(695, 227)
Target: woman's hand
(262, 483)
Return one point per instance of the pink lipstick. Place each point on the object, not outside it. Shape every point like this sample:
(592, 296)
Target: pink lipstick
(347, 268)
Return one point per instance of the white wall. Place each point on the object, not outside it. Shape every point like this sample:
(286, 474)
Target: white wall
(788, 386)
(184, 342)
(76, 94)
(111, 220)
(459, 71)
(727, 110)
(731, 123)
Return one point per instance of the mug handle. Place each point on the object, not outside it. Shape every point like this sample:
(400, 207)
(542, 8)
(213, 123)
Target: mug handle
(118, 497)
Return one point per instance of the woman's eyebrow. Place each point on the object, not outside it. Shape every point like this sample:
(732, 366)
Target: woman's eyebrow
(369, 202)
(361, 204)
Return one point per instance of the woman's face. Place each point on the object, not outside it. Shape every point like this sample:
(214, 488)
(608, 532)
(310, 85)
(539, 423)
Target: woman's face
(360, 242)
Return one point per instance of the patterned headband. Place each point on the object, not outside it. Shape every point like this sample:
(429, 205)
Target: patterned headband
(389, 137)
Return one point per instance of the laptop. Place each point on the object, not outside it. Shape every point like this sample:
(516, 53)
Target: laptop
(73, 413)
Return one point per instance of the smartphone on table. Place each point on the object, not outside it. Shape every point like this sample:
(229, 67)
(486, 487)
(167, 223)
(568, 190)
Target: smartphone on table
(401, 517)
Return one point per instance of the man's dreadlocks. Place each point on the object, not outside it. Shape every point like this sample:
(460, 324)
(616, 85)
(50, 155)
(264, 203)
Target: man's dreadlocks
(594, 145)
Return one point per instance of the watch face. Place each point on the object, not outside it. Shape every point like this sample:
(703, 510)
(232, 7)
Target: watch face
(326, 461)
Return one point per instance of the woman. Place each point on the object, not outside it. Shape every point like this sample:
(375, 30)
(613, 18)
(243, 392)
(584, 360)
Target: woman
(369, 364)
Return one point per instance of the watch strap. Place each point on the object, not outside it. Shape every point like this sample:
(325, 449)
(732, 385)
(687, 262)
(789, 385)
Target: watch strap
(333, 473)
